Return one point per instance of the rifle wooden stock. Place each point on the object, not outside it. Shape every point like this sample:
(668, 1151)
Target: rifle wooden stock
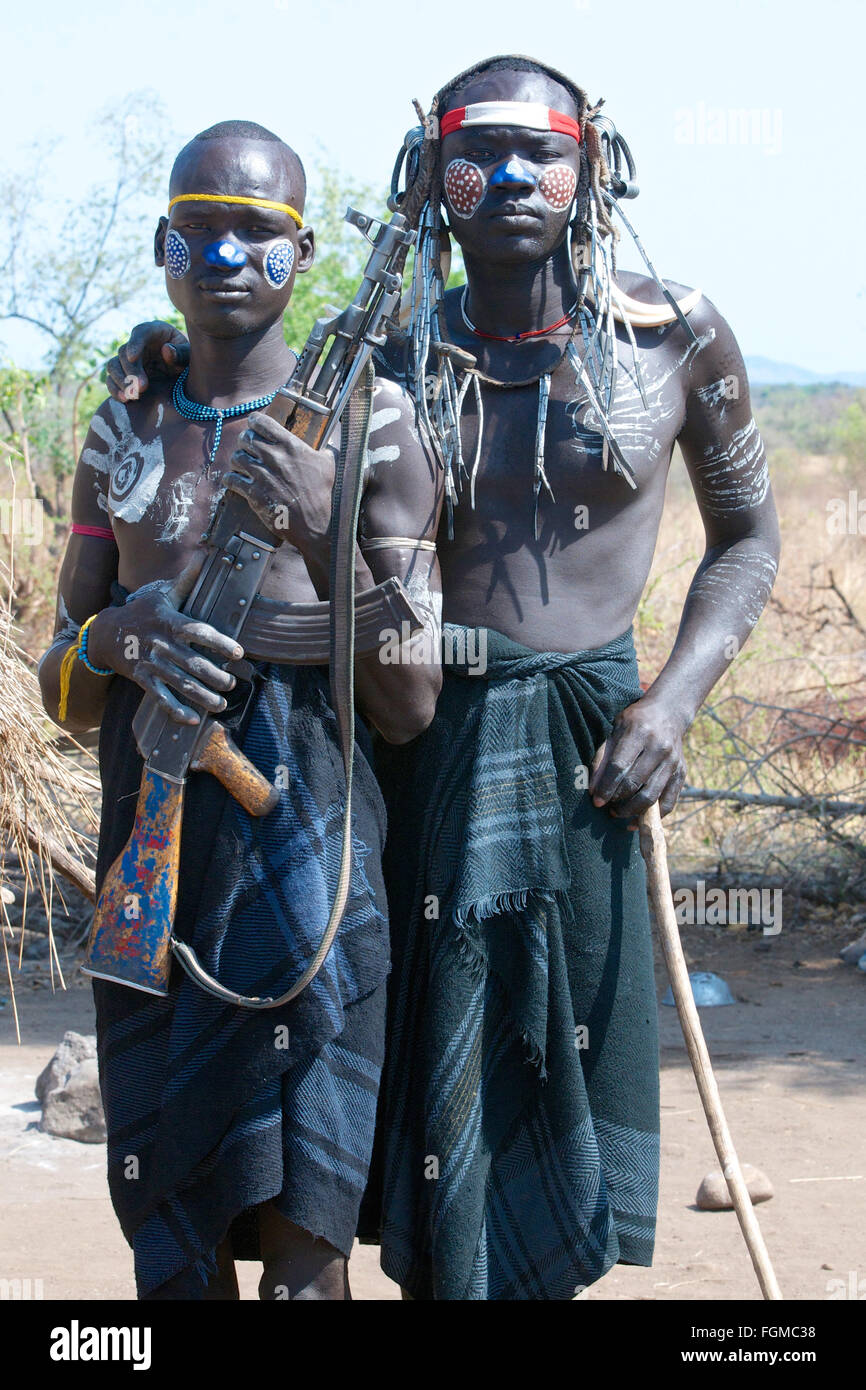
(130, 939)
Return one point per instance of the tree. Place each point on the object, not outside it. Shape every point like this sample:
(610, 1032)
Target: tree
(66, 285)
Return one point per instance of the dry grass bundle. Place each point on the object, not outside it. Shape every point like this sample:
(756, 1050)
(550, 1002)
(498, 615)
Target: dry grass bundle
(48, 802)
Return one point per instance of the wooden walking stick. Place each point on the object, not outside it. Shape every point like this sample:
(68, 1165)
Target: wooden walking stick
(653, 849)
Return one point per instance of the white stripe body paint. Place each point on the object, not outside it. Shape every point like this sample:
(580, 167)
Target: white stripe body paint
(635, 429)
(736, 477)
(419, 591)
(713, 394)
(385, 453)
(748, 576)
(381, 418)
(179, 499)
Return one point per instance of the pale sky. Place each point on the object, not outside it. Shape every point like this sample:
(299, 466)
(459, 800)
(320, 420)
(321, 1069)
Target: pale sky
(745, 119)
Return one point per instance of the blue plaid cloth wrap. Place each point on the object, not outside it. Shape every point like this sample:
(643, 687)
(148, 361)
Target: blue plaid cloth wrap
(213, 1109)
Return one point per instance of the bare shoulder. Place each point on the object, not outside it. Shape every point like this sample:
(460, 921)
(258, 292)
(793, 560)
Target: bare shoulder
(403, 481)
(716, 354)
(391, 394)
(395, 430)
(645, 289)
(116, 425)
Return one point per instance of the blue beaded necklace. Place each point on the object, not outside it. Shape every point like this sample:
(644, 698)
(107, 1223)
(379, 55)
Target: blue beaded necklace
(191, 410)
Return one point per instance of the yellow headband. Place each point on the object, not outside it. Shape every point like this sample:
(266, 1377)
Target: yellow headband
(229, 198)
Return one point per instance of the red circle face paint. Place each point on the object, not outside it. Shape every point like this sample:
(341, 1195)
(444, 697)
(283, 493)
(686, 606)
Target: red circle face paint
(465, 186)
(557, 185)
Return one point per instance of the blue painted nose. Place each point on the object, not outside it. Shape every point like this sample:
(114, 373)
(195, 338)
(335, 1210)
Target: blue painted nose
(512, 173)
(225, 255)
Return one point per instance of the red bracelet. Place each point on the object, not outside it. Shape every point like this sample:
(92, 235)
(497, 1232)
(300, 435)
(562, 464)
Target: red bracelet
(103, 532)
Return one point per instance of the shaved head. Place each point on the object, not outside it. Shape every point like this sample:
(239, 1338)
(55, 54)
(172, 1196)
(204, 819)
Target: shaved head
(240, 157)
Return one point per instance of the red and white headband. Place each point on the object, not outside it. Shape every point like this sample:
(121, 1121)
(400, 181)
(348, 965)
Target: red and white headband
(529, 114)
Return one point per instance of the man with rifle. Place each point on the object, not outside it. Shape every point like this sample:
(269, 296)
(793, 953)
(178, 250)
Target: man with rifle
(234, 1131)
(519, 1112)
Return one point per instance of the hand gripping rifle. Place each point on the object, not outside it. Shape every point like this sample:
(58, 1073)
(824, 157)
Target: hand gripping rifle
(131, 939)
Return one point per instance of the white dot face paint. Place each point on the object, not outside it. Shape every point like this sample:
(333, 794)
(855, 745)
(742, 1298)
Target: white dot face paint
(176, 255)
(465, 186)
(279, 259)
(557, 185)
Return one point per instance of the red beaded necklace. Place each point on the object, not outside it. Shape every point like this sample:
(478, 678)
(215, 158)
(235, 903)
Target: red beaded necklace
(514, 337)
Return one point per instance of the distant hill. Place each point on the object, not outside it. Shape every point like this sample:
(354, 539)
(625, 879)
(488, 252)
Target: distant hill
(763, 371)
(819, 418)
(805, 418)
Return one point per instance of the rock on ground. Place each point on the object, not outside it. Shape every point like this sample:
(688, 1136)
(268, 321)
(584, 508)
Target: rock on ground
(73, 1050)
(68, 1090)
(713, 1192)
(854, 953)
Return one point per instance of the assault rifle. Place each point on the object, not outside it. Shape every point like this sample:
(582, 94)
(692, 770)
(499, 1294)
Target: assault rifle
(132, 940)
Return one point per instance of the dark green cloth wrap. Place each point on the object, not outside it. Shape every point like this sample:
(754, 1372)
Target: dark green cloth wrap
(518, 1125)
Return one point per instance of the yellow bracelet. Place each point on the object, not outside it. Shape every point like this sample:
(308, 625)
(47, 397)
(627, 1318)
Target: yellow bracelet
(77, 652)
(66, 666)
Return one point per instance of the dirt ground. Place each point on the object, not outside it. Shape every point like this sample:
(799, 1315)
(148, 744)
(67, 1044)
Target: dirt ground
(790, 1061)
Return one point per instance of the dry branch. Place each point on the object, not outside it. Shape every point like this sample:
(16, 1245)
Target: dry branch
(813, 804)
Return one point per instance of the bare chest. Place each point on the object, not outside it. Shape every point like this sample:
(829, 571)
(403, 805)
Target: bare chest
(521, 437)
(161, 482)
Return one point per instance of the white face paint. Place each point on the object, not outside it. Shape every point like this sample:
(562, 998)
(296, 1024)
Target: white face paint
(278, 262)
(557, 186)
(177, 258)
(465, 186)
(134, 469)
